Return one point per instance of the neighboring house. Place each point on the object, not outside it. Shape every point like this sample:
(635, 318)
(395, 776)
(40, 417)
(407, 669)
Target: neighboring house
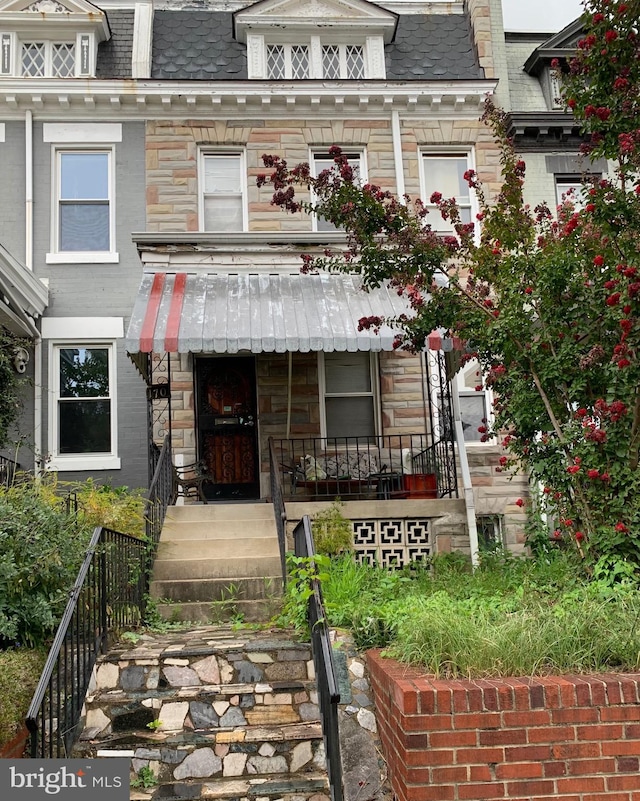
(144, 128)
(543, 129)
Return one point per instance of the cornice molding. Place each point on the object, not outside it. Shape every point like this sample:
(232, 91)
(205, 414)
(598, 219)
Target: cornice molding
(548, 130)
(130, 99)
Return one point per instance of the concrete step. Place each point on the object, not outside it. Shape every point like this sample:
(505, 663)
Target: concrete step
(284, 787)
(217, 549)
(178, 530)
(220, 511)
(257, 610)
(168, 567)
(241, 588)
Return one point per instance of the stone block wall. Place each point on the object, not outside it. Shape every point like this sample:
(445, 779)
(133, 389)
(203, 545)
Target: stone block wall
(567, 738)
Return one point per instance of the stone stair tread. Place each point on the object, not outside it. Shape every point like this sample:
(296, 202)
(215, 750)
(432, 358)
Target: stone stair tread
(262, 688)
(278, 785)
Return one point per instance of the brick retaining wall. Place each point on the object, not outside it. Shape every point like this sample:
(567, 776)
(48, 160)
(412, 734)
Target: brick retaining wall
(570, 738)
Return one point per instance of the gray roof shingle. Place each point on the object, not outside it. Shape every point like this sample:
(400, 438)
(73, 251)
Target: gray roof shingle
(199, 45)
(114, 56)
(431, 47)
(196, 45)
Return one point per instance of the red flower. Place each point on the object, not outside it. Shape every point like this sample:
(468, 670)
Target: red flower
(520, 502)
(581, 413)
(623, 363)
(482, 429)
(528, 290)
(593, 473)
(613, 300)
(503, 460)
(590, 207)
(598, 18)
(598, 261)
(573, 469)
(571, 102)
(579, 536)
(435, 198)
(620, 83)
(621, 527)
(611, 36)
(557, 534)
(605, 477)
(479, 387)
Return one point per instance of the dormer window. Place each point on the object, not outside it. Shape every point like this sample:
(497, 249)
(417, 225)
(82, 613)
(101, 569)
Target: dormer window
(46, 39)
(323, 40)
(336, 61)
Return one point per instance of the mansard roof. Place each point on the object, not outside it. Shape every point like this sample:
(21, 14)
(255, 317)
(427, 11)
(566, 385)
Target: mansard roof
(199, 45)
(114, 55)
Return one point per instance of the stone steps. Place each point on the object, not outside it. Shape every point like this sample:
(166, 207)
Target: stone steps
(233, 715)
(221, 554)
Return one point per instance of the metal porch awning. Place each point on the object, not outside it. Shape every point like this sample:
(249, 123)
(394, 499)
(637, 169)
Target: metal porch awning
(223, 312)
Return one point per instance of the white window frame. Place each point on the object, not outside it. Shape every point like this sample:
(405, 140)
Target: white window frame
(565, 182)
(288, 65)
(352, 153)
(57, 256)
(85, 461)
(433, 218)
(218, 151)
(85, 52)
(374, 392)
(372, 53)
(463, 391)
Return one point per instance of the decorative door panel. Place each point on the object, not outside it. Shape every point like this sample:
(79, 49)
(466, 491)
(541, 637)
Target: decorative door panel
(227, 431)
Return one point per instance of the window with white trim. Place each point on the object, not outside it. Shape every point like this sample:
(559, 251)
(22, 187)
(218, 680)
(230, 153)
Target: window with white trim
(83, 420)
(475, 403)
(84, 207)
(336, 61)
(40, 57)
(350, 394)
(569, 187)
(320, 161)
(444, 173)
(222, 192)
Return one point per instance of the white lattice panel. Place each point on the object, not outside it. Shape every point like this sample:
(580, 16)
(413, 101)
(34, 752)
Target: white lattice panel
(392, 542)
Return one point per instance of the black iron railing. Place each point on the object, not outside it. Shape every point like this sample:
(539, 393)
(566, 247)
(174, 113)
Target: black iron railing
(279, 509)
(107, 594)
(8, 470)
(328, 694)
(162, 491)
(354, 468)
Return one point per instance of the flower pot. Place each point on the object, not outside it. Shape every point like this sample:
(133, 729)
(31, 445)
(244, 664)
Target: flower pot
(16, 748)
(421, 485)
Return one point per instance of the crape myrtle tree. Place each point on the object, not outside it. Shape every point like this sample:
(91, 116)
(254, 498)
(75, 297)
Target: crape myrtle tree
(547, 300)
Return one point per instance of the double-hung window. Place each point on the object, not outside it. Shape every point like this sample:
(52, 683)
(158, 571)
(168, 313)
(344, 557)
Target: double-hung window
(222, 196)
(474, 402)
(350, 391)
(444, 173)
(323, 161)
(83, 413)
(84, 209)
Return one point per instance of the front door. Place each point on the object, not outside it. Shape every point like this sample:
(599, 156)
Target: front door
(226, 422)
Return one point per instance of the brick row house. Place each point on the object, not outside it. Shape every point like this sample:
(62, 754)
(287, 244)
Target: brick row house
(168, 288)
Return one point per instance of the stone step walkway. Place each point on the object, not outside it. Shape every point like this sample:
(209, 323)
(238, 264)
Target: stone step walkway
(210, 713)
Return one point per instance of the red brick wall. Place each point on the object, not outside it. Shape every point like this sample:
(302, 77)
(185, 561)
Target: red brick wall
(569, 738)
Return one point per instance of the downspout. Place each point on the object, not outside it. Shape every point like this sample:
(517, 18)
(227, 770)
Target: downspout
(28, 260)
(469, 501)
(396, 138)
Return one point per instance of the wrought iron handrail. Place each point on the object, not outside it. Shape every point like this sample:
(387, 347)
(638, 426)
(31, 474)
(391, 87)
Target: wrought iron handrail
(161, 494)
(107, 594)
(279, 509)
(328, 693)
(383, 467)
(8, 470)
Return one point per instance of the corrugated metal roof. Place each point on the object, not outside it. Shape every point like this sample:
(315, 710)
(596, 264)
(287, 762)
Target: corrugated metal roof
(258, 312)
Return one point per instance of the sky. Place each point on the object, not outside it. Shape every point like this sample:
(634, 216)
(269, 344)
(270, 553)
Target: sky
(540, 16)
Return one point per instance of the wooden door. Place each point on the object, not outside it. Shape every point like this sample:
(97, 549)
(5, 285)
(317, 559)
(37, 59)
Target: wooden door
(227, 430)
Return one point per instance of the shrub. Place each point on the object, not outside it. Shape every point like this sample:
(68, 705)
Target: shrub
(332, 534)
(19, 674)
(41, 549)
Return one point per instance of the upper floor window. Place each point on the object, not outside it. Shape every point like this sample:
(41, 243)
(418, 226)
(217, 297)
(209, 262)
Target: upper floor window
(222, 196)
(335, 61)
(323, 161)
(444, 173)
(41, 57)
(84, 202)
(48, 59)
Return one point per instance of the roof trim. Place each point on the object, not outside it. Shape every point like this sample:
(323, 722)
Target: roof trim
(26, 296)
(560, 45)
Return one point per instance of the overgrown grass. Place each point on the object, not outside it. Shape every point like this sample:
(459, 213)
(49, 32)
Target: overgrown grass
(510, 617)
(19, 674)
